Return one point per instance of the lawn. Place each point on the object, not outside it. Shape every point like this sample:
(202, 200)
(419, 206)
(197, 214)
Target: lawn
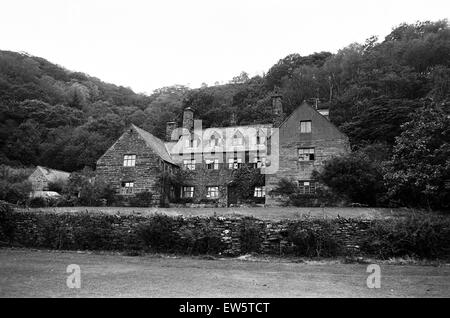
(272, 213)
(30, 273)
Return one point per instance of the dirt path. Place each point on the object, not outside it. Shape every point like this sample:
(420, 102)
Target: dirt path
(30, 273)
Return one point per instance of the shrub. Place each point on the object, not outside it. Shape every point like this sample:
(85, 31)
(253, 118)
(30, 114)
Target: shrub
(314, 238)
(7, 224)
(249, 236)
(142, 199)
(158, 233)
(420, 236)
(38, 202)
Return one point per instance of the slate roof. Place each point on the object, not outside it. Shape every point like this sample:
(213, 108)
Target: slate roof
(53, 175)
(156, 144)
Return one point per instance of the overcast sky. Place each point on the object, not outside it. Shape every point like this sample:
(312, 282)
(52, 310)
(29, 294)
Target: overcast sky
(146, 44)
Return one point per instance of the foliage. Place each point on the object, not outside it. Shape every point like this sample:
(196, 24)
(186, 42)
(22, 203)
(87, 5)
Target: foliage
(314, 238)
(420, 166)
(250, 236)
(14, 185)
(245, 179)
(142, 199)
(354, 176)
(158, 234)
(419, 236)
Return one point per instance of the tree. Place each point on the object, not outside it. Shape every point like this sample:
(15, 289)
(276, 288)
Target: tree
(354, 177)
(419, 171)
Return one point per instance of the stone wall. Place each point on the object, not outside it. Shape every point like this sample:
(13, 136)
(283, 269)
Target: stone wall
(113, 232)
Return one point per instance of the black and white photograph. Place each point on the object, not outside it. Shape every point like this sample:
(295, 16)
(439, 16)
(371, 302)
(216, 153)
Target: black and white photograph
(224, 155)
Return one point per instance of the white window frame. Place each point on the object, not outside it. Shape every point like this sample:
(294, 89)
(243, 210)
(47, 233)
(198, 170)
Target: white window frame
(306, 154)
(307, 186)
(129, 160)
(213, 162)
(260, 192)
(189, 164)
(234, 163)
(187, 191)
(305, 126)
(212, 192)
(127, 187)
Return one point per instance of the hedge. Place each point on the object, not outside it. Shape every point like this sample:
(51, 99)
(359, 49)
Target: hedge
(426, 236)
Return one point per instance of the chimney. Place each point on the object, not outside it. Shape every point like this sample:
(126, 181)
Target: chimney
(170, 127)
(277, 105)
(188, 119)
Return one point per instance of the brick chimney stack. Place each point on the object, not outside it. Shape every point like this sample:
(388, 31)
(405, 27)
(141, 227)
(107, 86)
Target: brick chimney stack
(277, 104)
(170, 127)
(188, 119)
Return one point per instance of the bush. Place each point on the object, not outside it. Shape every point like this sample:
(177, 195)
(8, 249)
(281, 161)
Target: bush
(142, 199)
(420, 236)
(158, 234)
(249, 236)
(7, 224)
(355, 177)
(314, 238)
(38, 202)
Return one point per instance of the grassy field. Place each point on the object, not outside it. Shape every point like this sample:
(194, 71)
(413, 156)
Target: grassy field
(273, 213)
(30, 273)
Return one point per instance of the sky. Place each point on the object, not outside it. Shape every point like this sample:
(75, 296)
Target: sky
(147, 44)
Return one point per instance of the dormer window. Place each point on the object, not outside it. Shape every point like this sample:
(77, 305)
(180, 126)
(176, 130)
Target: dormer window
(305, 126)
(238, 139)
(129, 160)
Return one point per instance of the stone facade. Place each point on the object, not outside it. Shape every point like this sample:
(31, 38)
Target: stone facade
(42, 177)
(143, 174)
(247, 145)
(326, 140)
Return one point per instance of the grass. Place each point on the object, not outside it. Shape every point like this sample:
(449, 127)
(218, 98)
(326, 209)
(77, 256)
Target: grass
(268, 213)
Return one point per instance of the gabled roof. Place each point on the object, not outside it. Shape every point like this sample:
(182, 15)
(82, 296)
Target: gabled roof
(53, 175)
(156, 144)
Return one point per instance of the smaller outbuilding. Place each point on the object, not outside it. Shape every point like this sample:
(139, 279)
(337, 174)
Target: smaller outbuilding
(42, 177)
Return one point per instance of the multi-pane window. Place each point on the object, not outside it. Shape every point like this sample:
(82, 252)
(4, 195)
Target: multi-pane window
(260, 192)
(187, 192)
(238, 140)
(234, 163)
(189, 164)
(129, 160)
(306, 154)
(258, 162)
(305, 126)
(212, 192)
(127, 187)
(307, 187)
(212, 164)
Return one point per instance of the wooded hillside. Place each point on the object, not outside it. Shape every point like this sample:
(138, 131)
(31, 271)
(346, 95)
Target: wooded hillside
(65, 120)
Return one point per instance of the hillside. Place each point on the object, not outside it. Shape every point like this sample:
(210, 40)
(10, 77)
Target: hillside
(65, 120)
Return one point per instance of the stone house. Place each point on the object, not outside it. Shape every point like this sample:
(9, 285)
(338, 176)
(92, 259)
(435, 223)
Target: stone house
(42, 177)
(293, 147)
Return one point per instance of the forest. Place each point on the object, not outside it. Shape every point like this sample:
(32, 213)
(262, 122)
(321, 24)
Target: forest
(66, 120)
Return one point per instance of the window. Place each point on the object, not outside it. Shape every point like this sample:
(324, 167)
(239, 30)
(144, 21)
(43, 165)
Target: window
(307, 187)
(213, 141)
(234, 163)
(305, 154)
(127, 187)
(192, 142)
(258, 162)
(187, 192)
(212, 164)
(129, 160)
(305, 126)
(238, 140)
(260, 192)
(189, 164)
(212, 192)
